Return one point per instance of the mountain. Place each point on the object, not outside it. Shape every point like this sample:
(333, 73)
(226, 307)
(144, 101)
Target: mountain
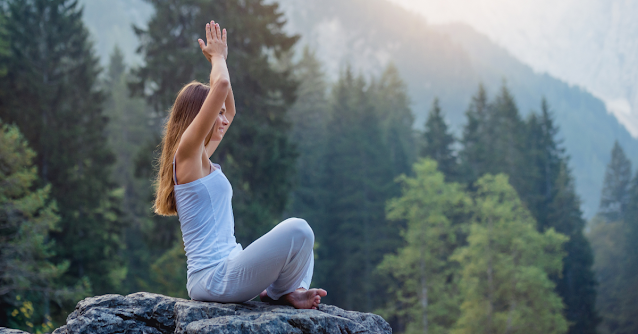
(586, 42)
(446, 61)
(449, 61)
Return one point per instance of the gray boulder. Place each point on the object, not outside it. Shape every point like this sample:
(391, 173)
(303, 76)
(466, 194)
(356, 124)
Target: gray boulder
(4, 330)
(151, 313)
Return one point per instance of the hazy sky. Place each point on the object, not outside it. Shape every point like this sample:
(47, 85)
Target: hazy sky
(590, 43)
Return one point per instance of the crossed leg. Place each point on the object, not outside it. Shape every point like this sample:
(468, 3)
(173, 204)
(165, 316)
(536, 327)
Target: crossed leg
(279, 265)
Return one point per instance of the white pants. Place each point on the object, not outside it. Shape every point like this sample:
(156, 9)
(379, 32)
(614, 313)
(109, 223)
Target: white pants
(281, 261)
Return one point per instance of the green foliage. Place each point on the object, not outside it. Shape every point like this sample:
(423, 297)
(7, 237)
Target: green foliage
(613, 237)
(474, 155)
(576, 284)
(130, 130)
(628, 292)
(22, 317)
(496, 140)
(392, 106)
(309, 116)
(27, 272)
(169, 272)
(256, 154)
(4, 44)
(52, 96)
(615, 195)
(353, 233)
(438, 142)
(426, 295)
(505, 267)
(544, 160)
(607, 240)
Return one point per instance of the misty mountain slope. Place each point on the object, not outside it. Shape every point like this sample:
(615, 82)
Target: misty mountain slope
(591, 43)
(449, 61)
(587, 128)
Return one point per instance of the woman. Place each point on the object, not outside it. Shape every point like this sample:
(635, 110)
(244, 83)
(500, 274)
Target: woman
(278, 266)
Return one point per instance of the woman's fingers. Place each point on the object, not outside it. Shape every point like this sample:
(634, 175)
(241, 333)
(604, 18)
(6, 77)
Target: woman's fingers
(224, 39)
(209, 36)
(201, 43)
(218, 31)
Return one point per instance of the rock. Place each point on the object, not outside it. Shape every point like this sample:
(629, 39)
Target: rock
(4, 330)
(151, 313)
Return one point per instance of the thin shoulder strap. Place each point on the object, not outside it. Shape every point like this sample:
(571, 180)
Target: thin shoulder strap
(174, 170)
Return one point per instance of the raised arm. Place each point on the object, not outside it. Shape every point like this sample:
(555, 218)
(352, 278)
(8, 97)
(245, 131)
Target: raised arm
(212, 145)
(192, 141)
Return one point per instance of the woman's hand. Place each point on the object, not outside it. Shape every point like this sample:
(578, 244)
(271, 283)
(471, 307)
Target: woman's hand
(215, 42)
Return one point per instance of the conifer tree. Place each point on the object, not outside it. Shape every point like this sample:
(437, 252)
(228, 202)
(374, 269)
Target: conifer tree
(353, 236)
(628, 292)
(27, 273)
(607, 240)
(426, 295)
(544, 157)
(505, 267)
(309, 116)
(616, 266)
(256, 154)
(131, 126)
(615, 196)
(474, 154)
(53, 98)
(576, 284)
(505, 134)
(438, 142)
(393, 109)
(496, 140)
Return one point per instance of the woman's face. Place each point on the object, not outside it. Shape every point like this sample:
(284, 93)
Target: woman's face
(220, 125)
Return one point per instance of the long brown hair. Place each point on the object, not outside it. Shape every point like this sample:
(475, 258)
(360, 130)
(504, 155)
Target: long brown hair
(187, 105)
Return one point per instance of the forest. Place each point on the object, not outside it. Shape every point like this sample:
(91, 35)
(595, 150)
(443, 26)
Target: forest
(480, 232)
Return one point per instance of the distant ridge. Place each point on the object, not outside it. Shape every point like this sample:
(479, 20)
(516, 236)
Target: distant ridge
(447, 61)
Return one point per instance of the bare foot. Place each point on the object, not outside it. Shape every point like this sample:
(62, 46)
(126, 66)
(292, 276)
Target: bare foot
(300, 298)
(305, 299)
(263, 296)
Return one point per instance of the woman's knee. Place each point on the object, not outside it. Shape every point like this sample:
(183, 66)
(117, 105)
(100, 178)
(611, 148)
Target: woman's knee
(298, 226)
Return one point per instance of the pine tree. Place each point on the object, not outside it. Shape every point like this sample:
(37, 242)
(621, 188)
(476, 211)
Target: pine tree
(496, 140)
(607, 240)
(426, 295)
(393, 110)
(309, 116)
(131, 126)
(629, 278)
(505, 134)
(256, 154)
(53, 98)
(438, 142)
(27, 274)
(616, 266)
(544, 157)
(475, 155)
(615, 196)
(353, 236)
(577, 284)
(505, 267)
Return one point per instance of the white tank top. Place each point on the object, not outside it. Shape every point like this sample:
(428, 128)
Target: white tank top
(206, 219)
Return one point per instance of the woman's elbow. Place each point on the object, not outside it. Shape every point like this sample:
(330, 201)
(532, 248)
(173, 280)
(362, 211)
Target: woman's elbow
(221, 84)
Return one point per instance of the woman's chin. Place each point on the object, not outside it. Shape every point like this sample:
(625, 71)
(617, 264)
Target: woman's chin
(216, 138)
